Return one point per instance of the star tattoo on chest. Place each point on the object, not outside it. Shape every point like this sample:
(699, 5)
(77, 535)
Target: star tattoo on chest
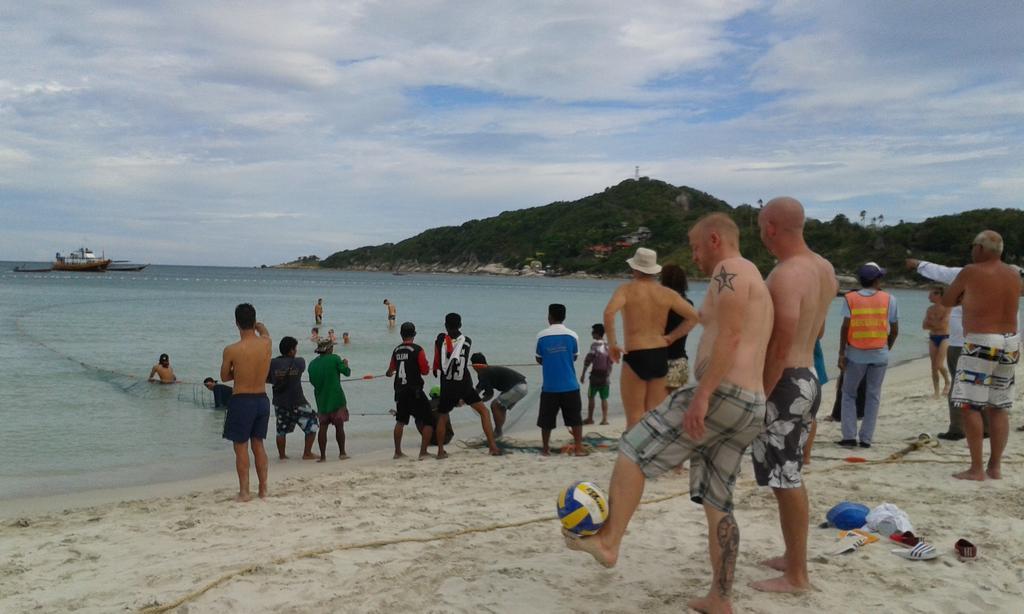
(724, 279)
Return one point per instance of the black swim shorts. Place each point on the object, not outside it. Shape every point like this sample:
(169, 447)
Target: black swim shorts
(779, 450)
(454, 392)
(567, 402)
(412, 402)
(648, 364)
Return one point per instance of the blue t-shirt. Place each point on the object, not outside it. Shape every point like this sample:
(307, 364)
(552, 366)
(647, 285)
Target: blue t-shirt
(557, 347)
(870, 357)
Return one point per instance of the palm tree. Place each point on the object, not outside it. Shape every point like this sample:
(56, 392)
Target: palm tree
(863, 214)
(881, 219)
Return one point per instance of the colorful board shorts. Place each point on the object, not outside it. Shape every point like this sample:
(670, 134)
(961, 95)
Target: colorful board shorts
(985, 371)
(513, 395)
(778, 451)
(289, 418)
(603, 389)
(658, 442)
(247, 417)
(678, 373)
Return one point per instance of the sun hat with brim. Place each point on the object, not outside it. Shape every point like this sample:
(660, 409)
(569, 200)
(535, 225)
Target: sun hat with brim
(645, 260)
(870, 271)
(324, 346)
(848, 515)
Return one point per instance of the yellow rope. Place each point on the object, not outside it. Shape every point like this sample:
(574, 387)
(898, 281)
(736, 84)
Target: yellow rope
(159, 609)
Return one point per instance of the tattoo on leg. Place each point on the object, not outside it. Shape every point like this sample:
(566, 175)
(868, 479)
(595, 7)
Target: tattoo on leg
(729, 543)
(724, 279)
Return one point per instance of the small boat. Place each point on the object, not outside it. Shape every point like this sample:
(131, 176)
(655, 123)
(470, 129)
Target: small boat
(82, 259)
(22, 269)
(124, 266)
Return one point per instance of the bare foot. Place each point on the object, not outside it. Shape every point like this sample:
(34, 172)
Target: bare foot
(243, 497)
(778, 563)
(994, 473)
(582, 452)
(282, 457)
(970, 475)
(592, 546)
(442, 455)
(545, 453)
(398, 455)
(495, 452)
(604, 422)
(263, 492)
(343, 456)
(709, 605)
(945, 391)
(322, 459)
(309, 456)
(778, 585)
(425, 455)
(588, 421)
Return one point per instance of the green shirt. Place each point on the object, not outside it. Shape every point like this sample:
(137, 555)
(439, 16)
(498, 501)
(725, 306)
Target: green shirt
(324, 372)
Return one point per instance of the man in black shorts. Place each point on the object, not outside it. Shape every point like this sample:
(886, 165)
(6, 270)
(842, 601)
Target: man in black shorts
(510, 384)
(409, 365)
(557, 349)
(451, 364)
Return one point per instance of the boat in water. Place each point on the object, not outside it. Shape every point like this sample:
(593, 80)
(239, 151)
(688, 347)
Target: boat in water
(82, 259)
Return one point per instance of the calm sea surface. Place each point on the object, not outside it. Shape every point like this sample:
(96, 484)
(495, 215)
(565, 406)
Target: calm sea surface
(78, 414)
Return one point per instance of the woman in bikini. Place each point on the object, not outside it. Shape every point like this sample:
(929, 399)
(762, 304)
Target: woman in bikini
(936, 322)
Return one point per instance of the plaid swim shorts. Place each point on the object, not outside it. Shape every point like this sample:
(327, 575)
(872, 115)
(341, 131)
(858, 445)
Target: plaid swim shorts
(658, 442)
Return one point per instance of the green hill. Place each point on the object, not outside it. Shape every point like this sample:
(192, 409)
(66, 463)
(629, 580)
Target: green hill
(591, 235)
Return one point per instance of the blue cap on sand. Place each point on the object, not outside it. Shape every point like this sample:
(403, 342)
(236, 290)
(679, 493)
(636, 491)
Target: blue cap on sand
(847, 515)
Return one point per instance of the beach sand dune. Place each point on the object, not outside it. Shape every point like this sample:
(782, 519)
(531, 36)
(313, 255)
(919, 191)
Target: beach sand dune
(478, 534)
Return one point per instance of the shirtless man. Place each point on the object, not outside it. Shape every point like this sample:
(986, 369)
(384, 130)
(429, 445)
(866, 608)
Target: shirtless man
(318, 311)
(989, 292)
(247, 362)
(163, 371)
(392, 313)
(936, 322)
(710, 425)
(645, 305)
(802, 287)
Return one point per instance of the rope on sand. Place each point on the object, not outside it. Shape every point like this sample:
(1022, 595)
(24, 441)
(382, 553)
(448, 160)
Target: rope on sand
(308, 554)
(592, 442)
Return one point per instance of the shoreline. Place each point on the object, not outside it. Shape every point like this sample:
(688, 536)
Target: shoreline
(477, 533)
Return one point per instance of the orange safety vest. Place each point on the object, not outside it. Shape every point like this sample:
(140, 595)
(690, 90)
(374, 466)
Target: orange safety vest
(869, 320)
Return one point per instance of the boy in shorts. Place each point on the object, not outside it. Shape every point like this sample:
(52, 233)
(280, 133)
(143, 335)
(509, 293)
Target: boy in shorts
(557, 349)
(600, 373)
(409, 365)
(290, 405)
(451, 365)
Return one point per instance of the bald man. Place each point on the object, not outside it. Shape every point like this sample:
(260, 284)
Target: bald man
(802, 287)
(989, 292)
(710, 425)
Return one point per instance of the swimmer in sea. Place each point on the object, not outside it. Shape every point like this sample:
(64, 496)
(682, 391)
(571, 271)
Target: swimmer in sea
(162, 371)
(392, 313)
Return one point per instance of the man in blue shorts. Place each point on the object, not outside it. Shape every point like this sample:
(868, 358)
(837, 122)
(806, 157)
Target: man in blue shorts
(247, 362)
(557, 349)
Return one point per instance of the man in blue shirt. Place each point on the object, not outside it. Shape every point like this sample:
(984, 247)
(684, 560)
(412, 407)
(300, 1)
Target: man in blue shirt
(557, 348)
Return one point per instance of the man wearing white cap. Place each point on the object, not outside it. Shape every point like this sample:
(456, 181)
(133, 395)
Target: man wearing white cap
(644, 304)
(870, 328)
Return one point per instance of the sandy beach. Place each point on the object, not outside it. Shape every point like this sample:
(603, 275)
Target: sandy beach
(479, 534)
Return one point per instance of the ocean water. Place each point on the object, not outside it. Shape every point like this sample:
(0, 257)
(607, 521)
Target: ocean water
(77, 412)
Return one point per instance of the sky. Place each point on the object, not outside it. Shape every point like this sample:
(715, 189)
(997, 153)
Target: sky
(248, 133)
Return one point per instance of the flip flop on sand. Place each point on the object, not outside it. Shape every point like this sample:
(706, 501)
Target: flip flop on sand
(906, 538)
(850, 543)
(921, 552)
(965, 550)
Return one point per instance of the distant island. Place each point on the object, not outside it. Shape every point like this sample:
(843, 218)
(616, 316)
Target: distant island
(595, 235)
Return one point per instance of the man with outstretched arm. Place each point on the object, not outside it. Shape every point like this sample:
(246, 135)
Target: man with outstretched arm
(645, 305)
(247, 362)
(710, 425)
(989, 291)
(802, 286)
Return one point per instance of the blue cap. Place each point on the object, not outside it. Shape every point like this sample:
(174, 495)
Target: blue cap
(847, 515)
(870, 271)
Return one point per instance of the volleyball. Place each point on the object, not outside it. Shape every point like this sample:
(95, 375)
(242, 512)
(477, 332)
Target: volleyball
(583, 508)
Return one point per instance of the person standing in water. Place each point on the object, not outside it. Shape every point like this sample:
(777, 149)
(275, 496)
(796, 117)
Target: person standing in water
(392, 313)
(936, 322)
